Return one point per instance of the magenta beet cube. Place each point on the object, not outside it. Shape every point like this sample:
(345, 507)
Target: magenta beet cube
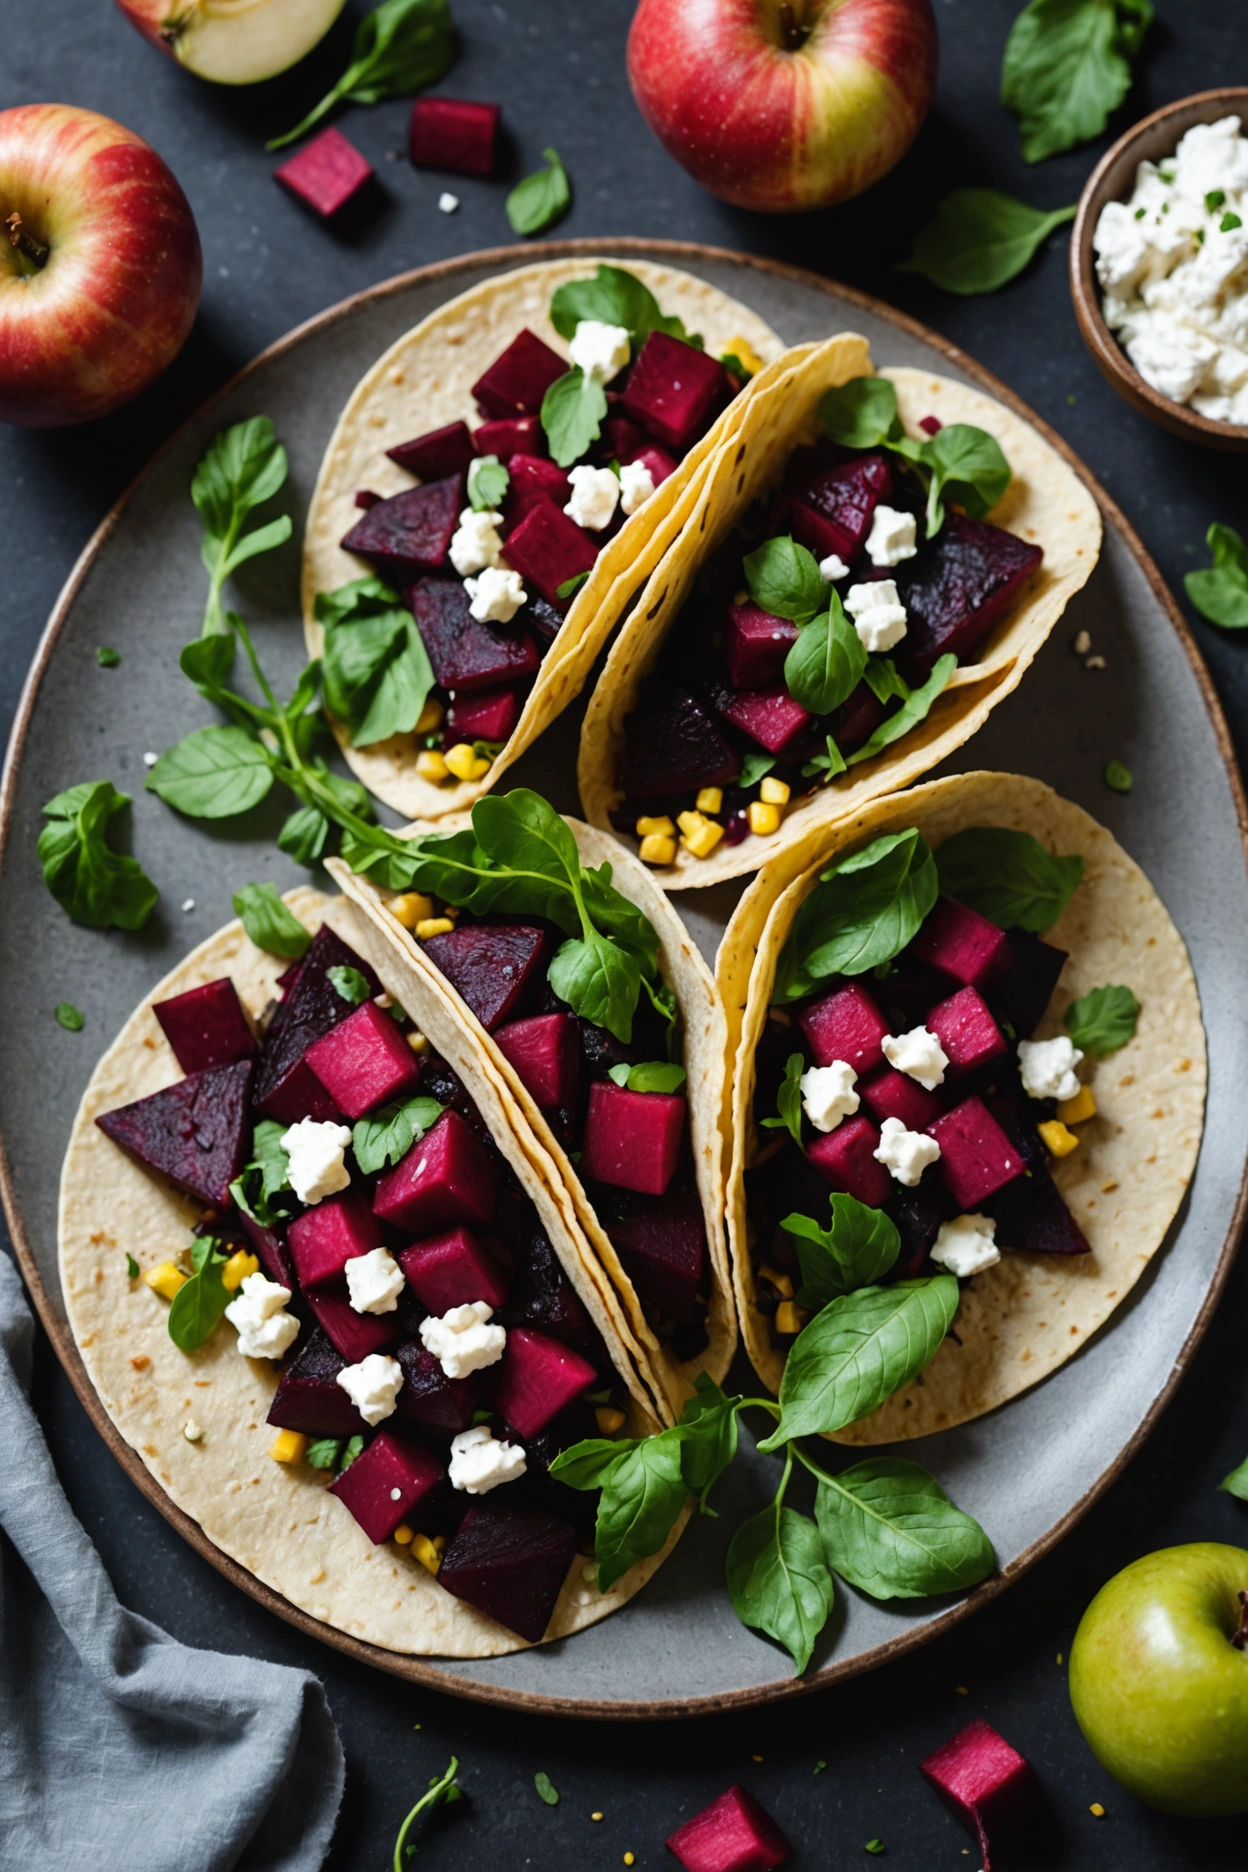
(962, 583)
(506, 436)
(845, 1158)
(834, 508)
(769, 716)
(323, 1239)
(387, 1482)
(961, 943)
(844, 1025)
(269, 1247)
(466, 654)
(365, 498)
(326, 173)
(547, 549)
(310, 1399)
(410, 532)
(447, 1177)
(286, 1087)
(442, 1406)
(991, 1788)
(673, 390)
(511, 1564)
(195, 1133)
(662, 1245)
(621, 437)
(893, 1094)
(672, 744)
(516, 381)
(733, 1834)
(354, 1335)
(364, 1062)
(437, 454)
(976, 1157)
(534, 479)
(206, 1026)
(493, 967)
(454, 134)
(452, 1270)
(966, 1030)
(755, 646)
(546, 1054)
(483, 715)
(535, 1379)
(657, 460)
(632, 1139)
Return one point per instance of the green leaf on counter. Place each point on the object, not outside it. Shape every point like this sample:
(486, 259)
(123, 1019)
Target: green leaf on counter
(95, 885)
(980, 239)
(541, 199)
(269, 922)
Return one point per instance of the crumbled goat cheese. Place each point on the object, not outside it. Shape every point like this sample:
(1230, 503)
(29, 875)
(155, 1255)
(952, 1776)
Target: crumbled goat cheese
(965, 1246)
(264, 1329)
(314, 1152)
(1082, 643)
(480, 1461)
(476, 542)
(447, 202)
(636, 486)
(879, 615)
(188, 903)
(496, 596)
(891, 538)
(373, 1385)
(601, 350)
(461, 1340)
(595, 492)
(905, 1153)
(833, 568)
(150, 759)
(918, 1053)
(1048, 1067)
(828, 1094)
(374, 1281)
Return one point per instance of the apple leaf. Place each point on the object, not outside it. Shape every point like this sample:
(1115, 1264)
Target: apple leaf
(979, 239)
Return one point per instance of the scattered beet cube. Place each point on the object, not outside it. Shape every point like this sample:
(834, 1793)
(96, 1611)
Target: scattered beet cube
(662, 1245)
(511, 1564)
(673, 745)
(674, 390)
(493, 967)
(452, 1270)
(965, 581)
(755, 646)
(287, 1087)
(442, 1406)
(452, 133)
(546, 1054)
(516, 381)
(845, 1158)
(506, 436)
(534, 480)
(959, 942)
(967, 1031)
(632, 1139)
(1023, 992)
(466, 654)
(844, 1025)
(323, 1239)
(833, 509)
(411, 532)
(353, 1334)
(446, 1177)
(195, 1133)
(326, 173)
(621, 437)
(535, 1379)
(733, 1834)
(991, 1788)
(310, 1399)
(769, 716)
(206, 1026)
(976, 1156)
(387, 1482)
(364, 1061)
(483, 715)
(439, 453)
(893, 1094)
(547, 549)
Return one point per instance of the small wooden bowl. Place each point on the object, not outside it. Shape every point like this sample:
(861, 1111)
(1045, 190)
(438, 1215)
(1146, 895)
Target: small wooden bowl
(1113, 178)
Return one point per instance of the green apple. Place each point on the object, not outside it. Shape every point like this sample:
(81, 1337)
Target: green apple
(1159, 1684)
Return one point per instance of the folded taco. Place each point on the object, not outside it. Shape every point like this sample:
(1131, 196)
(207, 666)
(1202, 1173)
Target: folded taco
(970, 1044)
(460, 580)
(867, 568)
(324, 1293)
(600, 1019)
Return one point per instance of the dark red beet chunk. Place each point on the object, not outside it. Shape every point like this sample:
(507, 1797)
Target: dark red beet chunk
(365, 498)
(206, 1026)
(392, 1464)
(547, 549)
(446, 1177)
(287, 1087)
(961, 584)
(534, 480)
(989, 1786)
(445, 451)
(517, 380)
(353, 1334)
(464, 653)
(195, 1133)
(272, 1253)
(483, 715)
(662, 1245)
(733, 1834)
(769, 716)
(967, 1031)
(918, 1214)
(411, 532)
(976, 1157)
(364, 1062)
(893, 1094)
(844, 1025)
(1021, 995)
(1032, 1217)
(443, 1406)
(673, 390)
(755, 646)
(673, 745)
(510, 1564)
(657, 460)
(323, 1239)
(452, 133)
(493, 967)
(857, 719)
(452, 1270)
(632, 1139)
(834, 508)
(535, 1379)
(959, 942)
(326, 173)
(845, 1158)
(546, 1054)
(545, 1298)
(310, 1399)
(506, 436)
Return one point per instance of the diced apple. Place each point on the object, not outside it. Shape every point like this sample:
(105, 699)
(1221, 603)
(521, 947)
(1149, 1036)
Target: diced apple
(632, 1139)
(519, 378)
(326, 174)
(844, 1025)
(323, 1239)
(959, 942)
(453, 1269)
(546, 1053)
(674, 390)
(454, 134)
(845, 1158)
(445, 1178)
(966, 1030)
(195, 1133)
(535, 1379)
(387, 1483)
(511, 1564)
(493, 967)
(976, 1157)
(437, 454)
(547, 549)
(206, 1026)
(363, 1062)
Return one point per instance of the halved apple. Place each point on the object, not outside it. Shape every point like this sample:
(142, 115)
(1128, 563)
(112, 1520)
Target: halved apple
(234, 42)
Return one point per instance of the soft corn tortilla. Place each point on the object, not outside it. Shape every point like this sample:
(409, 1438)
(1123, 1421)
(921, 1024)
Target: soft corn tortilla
(424, 381)
(277, 1520)
(705, 1061)
(1045, 503)
(1020, 1320)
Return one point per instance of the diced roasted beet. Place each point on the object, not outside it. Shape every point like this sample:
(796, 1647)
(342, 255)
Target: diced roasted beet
(845, 1159)
(632, 1139)
(326, 173)
(445, 451)
(769, 716)
(536, 1378)
(856, 720)
(657, 460)
(621, 438)
(959, 942)
(1032, 1217)
(538, 1489)
(833, 511)
(310, 1399)
(454, 134)
(546, 619)
(365, 498)
(918, 1214)
(364, 1061)
(444, 1406)
(387, 1482)
(733, 1834)
(893, 1094)
(519, 378)
(506, 436)
(547, 549)
(286, 1086)
(976, 1156)
(411, 532)
(961, 584)
(755, 646)
(511, 1564)
(453, 1269)
(323, 1239)
(483, 715)
(546, 1053)
(1022, 993)
(966, 1030)
(269, 1247)
(206, 1026)
(989, 1786)
(930, 425)
(493, 967)
(466, 654)
(662, 1244)
(673, 745)
(446, 1177)
(674, 390)
(195, 1133)
(545, 1298)
(533, 480)
(354, 1334)
(844, 1025)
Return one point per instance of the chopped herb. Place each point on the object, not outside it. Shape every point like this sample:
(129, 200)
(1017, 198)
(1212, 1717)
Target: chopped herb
(546, 1791)
(650, 1076)
(488, 481)
(106, 658)
(440, 1791)
(540, 200)
(874, 1846)
(1140, 213)
(355, 1447)
(400, 47)
(349, 983)
(1214, 199)
(1166, 171)
(1118, 777)
(1103, 1020)
(1220, 591)
(132, 1267)
(390, 1133)
(69, 1017)
(820, 1766)
(269, 923)
(323, 1453)
(263, 1181)
(1228, 222)
(731, 362)
(571, 585)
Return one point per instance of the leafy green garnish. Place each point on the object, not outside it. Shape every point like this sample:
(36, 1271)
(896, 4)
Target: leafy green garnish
(69, 1017)
(1067, 65)
(212, 773)
(541, 199)
(572, 414)
(132, 1268)
(354, 1448)
(856, 1251)
(731, 362)
(349, 983)
(979, 239)
(390, 1133)
(1117, 776)
(778, 1579)
(789, 1100)
(106, 658)
(885, 681)
(243, 467)
(825, 665)
(266, 1179)
(1236, 1483)
(401, 47)
(915, 708)
(1220, 591)
(376, 669)
(828, 765)
(197, 1308)
(488, 482)
(1008, 877)
(649, 1076)
(861, 413)
(97, 886)
(571, 585)
(614, 297)
(323, 1453)
(890, 1529)
(1103, 1020)
(268, 921)
(546, 1789)
(754, 768)
(863, 912)
(442, 1791)
(959, 463)
(784, 578)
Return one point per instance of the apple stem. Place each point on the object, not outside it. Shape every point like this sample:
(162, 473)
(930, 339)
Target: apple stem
(27, 245)
(1240, 1639)
(793, 34)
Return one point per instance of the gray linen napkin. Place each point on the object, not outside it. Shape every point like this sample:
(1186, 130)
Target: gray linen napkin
(120, 1747)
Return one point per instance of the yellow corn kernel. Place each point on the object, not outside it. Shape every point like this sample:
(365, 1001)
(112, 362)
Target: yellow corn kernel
(424, 1550)
(699, 834)
(461, 760)
(165, 1279)
(439, 1544)
(1075, 1110)
(431, 766)
(404, 1534)
(609, 1419)
(763, 818)
(710, 799)
(655, 828)
(657, 848)
(411, 908)
(430, 716)
(433, 926)
(289, 1446)
(741, 349)
(789, 1317)
(237, 1268)
(774, 792)
(1058, 1141)
(781, 1282)
(1097, 1810)
(418, 1042)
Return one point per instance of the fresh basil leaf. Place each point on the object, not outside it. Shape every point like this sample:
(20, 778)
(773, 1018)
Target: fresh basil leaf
(916, 708)
(858, 1250)
(785, 579)
(1220, 591)
(69, 1017)
(613, 297)
(863, 912)
(980, 239)
(377, 671)
(546, 1789)
(539, 200)
(858, 1351)
(400, 47)
(571, 585)
(323, 1453)
(362, 597)
(243, 467)
(1236, 1483)
(1067, 66)
(303, 837)
(1118, 777)
(1008, 877)
(862, 413)
(789, 1100)
(643, 1492)
(268, 922)
(488, 482)
(889, 1528)
(616, 916)
(197, 1308)
(825, 665)
(656, 1076)
(95, 885)
(349, 983)
(213, 773)
(709, 1436)
(390, 1133)
(1103, 1020)
(883, 680)
(106, 657)
(584, 1465)
(599, 981)
(263, 1181)
(572, 413)
(778, 1579)
(967, 466)
(754, 768)
(827, 766)
(132, 1268)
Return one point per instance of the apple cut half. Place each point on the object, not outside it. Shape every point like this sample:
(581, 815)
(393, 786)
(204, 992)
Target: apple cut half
(234, 42)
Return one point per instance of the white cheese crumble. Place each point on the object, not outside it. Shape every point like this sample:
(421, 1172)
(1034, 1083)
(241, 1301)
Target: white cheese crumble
(496, 596)
(1048, 1067)
(891, 538)
(461, 1340)
(595, 492)
(374, 1281)
(905, 1153)
(265, 1330)
(878, 614)
(919, 1054)
(188, 903)
(480, 1461)
(601, 350)
(476, 542)
(373, 1385)
(150, 759)
(828, 1094)
(315, 1153)
(447, 202)
(965, 1246)
(636, 486)
(833, 568)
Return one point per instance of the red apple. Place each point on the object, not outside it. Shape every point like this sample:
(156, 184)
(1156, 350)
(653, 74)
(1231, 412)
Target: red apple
(100, 265)
(784, 104)
(233, 42)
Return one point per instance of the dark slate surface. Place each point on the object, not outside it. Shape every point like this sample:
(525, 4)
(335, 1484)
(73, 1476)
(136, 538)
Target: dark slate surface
(560, 76)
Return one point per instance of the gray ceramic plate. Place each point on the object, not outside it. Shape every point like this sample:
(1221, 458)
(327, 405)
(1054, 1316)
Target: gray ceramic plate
(1027, 1472)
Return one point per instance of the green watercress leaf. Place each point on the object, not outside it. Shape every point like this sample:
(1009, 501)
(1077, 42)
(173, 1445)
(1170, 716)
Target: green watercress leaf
(69, 1017)
(106, 657)
(442, 1790)
(268, 921)
(979, 239)
(1067, 66)
(890, 1529)
(377, 671)
(649, 1076)
(304, 835)
(863, 912)
(349, 983)
(263, 1182)
(545, 1789)
(916, 708)
(827, 765)
(488, 482)
(778, 1579)
(789, 1100)
(755, 767)
(400, 47)
(967, 466)
(1220, 591)
(857, 1250)
(390, 1133)
(212, 773)
(1103, 1020)
(572, 414)
(784, 578)
(541, 199)
(197, 1308)
(600, 981)
(1008, 877)
(95, 885)
(613, 297)
(243, 466)
(862, 413)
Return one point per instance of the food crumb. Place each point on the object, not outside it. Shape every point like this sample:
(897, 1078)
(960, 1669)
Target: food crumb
(1110, 1184)
(141, 1361)
(1060, 1656)
(1094, 662)
(150, 759)
(595, 1816)
(1082, 644)
(819, 1767)
(756, 1758)
(1097, 1809)
(447, 202)
(960, 1690)
(629, 1859)
(188, 903)
(191, 1431)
